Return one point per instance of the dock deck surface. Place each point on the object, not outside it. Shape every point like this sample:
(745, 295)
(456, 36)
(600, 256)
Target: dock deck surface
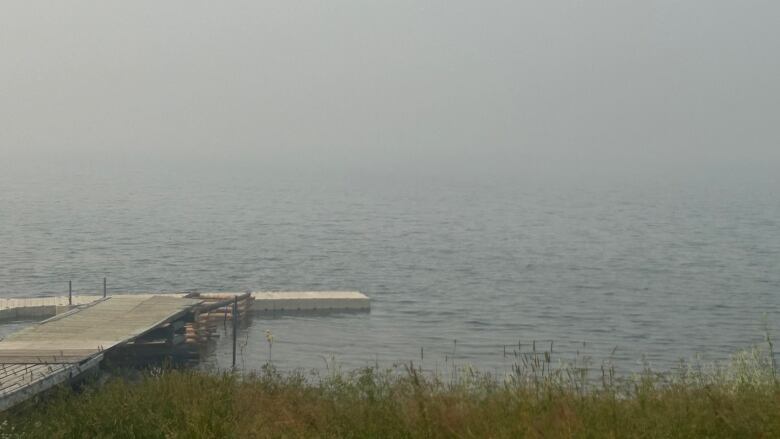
(84, 326)
(52, 351)
(21, 308)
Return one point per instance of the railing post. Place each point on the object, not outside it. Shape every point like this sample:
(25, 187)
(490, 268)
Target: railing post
(104, 287)
(235, 328)
(70, 292)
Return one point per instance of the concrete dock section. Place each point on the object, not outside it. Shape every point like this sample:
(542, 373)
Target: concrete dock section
(280, 301)
(37, 308)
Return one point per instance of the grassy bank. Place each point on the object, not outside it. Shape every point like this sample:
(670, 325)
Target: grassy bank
(537, 399)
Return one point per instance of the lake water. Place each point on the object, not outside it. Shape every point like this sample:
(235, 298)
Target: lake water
(659, 269)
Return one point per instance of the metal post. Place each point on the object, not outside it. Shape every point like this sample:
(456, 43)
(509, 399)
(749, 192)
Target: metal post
(104, 287)
(235, 328)
(70, 292)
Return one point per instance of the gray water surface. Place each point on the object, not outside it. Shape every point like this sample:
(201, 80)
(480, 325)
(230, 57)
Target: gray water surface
(659, 269)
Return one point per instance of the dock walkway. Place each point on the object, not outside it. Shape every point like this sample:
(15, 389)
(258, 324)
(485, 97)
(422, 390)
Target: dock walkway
(31, 308)
(82, 328)
(48, 353)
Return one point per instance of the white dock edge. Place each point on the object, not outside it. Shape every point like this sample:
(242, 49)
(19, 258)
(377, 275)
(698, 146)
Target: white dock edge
(36, 308)
(285, 301)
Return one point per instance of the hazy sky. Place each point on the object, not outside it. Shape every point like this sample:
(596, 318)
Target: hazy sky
(376, 84)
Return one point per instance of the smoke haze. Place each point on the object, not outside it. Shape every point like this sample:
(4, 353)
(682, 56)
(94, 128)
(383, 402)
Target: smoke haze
(499, 86)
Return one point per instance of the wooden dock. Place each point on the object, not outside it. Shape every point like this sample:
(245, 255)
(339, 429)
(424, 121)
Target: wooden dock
(19, 382)
(84, 330)
(69, 344)
(36, 308)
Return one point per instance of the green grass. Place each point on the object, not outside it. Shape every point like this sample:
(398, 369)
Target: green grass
(536, 399)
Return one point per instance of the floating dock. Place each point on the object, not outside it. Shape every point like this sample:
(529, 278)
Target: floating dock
(81, 331)
(32, 308)
(279, 302)
(70, 344)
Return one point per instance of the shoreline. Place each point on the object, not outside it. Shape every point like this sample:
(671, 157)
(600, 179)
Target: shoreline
(741, 399)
